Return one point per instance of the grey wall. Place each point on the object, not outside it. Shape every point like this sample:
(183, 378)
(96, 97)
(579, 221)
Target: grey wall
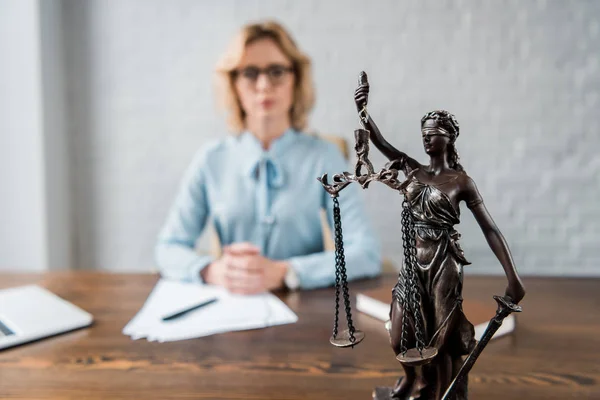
(521, 76)
(35, 197)
(56, 154)
(22, 212)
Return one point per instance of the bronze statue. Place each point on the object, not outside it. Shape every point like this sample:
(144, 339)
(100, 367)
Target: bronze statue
(429, 332)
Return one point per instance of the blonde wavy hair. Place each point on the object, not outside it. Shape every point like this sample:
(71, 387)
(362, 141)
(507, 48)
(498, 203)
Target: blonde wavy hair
(227, 97)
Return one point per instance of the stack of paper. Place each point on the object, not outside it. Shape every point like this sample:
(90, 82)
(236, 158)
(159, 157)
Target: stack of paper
(229, 313)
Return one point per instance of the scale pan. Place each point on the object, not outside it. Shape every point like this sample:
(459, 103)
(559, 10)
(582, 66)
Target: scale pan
(413, 358)
(343, 338)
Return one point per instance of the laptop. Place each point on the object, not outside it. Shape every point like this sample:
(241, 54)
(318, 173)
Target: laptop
(29, 313)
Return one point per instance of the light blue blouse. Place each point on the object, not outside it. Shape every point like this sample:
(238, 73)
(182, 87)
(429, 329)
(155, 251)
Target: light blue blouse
(271, 198)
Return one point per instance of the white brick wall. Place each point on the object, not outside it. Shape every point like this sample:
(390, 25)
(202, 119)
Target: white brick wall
(522, 78)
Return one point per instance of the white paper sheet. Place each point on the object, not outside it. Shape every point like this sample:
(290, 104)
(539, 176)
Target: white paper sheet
(229, 313)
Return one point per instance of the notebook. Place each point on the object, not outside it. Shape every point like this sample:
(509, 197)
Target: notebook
(376, 303)
(29, 313)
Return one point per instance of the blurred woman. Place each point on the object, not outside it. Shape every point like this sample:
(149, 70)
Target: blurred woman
(259, 184)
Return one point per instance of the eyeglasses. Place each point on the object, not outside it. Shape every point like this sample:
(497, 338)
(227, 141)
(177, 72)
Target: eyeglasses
(275, 73)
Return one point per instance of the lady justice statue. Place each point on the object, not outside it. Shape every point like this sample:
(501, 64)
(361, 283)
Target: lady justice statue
(429, 332)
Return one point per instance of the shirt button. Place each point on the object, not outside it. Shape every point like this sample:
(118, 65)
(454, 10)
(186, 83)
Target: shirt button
(269, 220)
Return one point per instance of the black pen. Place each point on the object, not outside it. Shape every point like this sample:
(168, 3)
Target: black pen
(187, 310)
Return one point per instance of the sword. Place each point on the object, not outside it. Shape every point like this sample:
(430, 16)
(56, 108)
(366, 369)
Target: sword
(505, 307)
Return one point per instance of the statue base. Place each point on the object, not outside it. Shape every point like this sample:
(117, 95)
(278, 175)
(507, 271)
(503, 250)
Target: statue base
(382, 393)
(385, 393)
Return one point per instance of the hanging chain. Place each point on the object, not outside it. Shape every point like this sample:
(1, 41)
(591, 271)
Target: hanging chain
(416, 293)
(337, 299)
(336, 210)
(403, 339)
(340, 270)
(411, 299)
(407, 275)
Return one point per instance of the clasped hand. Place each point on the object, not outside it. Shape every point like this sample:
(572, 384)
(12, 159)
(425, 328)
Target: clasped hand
(243, 270)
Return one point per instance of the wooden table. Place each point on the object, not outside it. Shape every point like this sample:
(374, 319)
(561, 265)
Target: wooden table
(555, 353)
